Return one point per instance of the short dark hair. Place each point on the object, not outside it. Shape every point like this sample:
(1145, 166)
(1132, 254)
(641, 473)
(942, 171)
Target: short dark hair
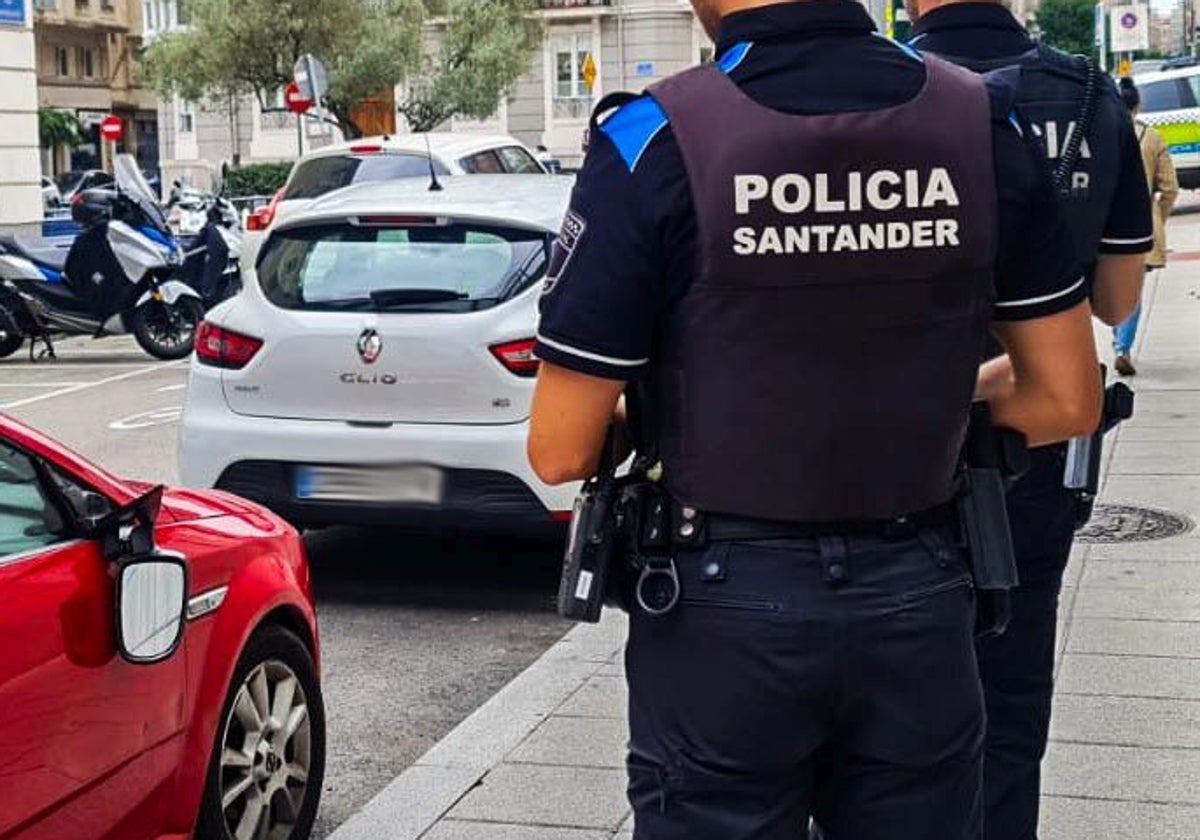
(1129, 93)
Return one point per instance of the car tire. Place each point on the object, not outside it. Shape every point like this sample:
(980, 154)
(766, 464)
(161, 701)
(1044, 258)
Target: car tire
(252, 772)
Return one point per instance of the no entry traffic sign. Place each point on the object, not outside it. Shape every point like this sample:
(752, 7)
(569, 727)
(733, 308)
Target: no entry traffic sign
(112, 129)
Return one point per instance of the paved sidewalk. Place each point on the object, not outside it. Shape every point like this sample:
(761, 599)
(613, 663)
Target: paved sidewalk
(543, 759)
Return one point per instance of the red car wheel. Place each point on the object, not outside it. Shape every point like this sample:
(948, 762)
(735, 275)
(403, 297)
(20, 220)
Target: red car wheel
(264, 780)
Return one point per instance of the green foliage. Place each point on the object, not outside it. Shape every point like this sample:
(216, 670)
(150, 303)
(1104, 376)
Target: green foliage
(460, 56)
(257, 179)
(1069, 25)
(58, 128)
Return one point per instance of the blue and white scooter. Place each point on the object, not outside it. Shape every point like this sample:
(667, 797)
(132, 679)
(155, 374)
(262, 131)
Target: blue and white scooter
(116, 278)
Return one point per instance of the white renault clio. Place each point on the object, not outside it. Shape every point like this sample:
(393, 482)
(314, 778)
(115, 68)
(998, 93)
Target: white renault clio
(377, 366)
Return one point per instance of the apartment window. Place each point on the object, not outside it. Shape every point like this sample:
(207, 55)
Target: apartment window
(187, 117)
(62, 61)
(46, 5)
(274, 116)
(106, 5)
(572, 99)
(85, 63)
(183, 12)
(82, 5)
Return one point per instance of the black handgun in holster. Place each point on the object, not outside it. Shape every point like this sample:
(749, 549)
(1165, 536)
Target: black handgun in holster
(594, 545)
(992, 460)
(1085, 454)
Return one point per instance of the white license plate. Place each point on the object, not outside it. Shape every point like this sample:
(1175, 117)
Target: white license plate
(416, 485)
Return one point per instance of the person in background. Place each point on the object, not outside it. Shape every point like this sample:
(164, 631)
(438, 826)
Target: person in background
(1164, 188)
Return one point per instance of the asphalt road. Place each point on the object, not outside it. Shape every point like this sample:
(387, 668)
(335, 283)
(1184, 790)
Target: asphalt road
(417, 630)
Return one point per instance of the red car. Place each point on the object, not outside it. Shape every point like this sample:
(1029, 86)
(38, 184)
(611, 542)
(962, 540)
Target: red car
(158, 659)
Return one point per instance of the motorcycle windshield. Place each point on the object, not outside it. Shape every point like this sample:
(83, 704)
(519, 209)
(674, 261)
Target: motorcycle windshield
(133, 186)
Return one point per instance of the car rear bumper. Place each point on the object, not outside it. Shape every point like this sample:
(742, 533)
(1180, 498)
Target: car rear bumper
(489, 484)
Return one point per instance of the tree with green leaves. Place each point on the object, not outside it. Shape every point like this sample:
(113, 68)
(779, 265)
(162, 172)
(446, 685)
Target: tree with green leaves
(454, 57)
(58, 128)
(1069, 25)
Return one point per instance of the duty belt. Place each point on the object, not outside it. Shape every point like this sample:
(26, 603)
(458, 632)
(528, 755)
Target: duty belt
(722, 528)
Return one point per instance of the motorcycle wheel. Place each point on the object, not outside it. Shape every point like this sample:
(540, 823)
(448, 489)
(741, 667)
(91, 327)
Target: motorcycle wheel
(167, 331)
(11, 337)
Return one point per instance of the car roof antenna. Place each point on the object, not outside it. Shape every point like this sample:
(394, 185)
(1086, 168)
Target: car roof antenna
(434, 184)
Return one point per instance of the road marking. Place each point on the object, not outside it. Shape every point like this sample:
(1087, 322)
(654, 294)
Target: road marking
(145, 419)
(40, 384)
(167, 388)
(74, 389)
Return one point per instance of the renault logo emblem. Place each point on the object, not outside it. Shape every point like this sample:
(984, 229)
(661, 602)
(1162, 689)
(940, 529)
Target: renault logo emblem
(370, 346)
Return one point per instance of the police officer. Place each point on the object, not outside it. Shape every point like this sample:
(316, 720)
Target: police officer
(1107, 207)
(800, 249)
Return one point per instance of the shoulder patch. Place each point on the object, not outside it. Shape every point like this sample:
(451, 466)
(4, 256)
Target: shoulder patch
(633, 127)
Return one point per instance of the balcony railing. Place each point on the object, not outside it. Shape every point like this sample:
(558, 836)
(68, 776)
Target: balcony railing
(572, 4)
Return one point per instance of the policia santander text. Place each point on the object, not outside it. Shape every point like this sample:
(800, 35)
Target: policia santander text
(798, 252)
(1067, 100)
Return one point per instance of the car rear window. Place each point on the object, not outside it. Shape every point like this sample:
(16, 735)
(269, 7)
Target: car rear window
(314, 178)
(1166, 95)
(340, 267)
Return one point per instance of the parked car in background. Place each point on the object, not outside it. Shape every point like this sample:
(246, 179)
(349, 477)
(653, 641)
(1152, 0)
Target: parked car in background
(51, 197)
(1171, 103)
(76, 181)
(391, 158)
(160, 672)
(378, 367)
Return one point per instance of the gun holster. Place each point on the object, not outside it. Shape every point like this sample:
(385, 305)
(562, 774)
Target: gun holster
(993, 459)
(593, 544)
(1085, 455)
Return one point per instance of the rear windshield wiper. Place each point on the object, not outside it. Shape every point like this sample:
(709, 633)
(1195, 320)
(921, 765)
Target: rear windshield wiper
(388, 298)
(405, 297)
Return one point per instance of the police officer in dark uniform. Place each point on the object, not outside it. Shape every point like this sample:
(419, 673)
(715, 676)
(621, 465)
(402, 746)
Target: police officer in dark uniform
(800, 250)
(1107, 206)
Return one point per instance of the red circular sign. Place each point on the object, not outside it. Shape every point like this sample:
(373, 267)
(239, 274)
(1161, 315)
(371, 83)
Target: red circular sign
(112, 129)
(295, 101)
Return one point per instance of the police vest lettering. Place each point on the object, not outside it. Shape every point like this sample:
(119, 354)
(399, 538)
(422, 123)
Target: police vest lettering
(881, 191)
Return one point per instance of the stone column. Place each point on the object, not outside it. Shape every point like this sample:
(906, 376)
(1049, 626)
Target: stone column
(20, 157)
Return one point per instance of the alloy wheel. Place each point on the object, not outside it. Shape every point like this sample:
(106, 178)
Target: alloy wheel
(266, 755)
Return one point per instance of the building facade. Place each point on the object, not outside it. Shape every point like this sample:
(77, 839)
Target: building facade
(88, 60)
(20, 167)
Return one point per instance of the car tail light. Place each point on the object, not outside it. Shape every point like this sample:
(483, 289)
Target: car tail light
(366, 149)
(261, 218)
(224, 348)
(517, 356)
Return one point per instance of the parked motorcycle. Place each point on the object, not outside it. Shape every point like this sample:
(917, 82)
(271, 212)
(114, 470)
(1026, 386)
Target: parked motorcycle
(212, 252)
(118, 277)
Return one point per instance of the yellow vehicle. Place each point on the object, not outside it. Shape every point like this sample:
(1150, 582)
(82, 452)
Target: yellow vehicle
(1171, 103)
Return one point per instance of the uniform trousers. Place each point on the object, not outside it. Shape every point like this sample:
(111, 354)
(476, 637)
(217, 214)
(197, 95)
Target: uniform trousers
(832, 678)
(1017, 668)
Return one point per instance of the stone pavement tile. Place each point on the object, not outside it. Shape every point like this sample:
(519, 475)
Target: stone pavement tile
(1158, 603)
(1129, 676)
(575, 797)
(1173, 409)
(1136, 431)
(1065, 818)
(627, 826)
(604, 697)
(1139, 638)
(1176, 493)
(1183, 549)
(1139, 774)
(1165, 457)
(461, 830)
(1126, 721)
(1141, 574)
(575, 741)
(410, 804)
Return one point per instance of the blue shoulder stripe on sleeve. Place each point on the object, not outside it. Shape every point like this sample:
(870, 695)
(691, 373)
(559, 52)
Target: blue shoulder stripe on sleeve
(734, 56)
(908, 48)
(633, 127)
(1016, 123)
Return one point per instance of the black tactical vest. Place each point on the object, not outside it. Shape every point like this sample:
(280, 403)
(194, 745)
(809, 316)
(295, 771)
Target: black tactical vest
(1049, 98)
(822, 364)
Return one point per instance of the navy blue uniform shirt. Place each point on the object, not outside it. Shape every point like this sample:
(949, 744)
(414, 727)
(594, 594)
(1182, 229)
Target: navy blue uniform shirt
(628, 248)
(989, 31)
